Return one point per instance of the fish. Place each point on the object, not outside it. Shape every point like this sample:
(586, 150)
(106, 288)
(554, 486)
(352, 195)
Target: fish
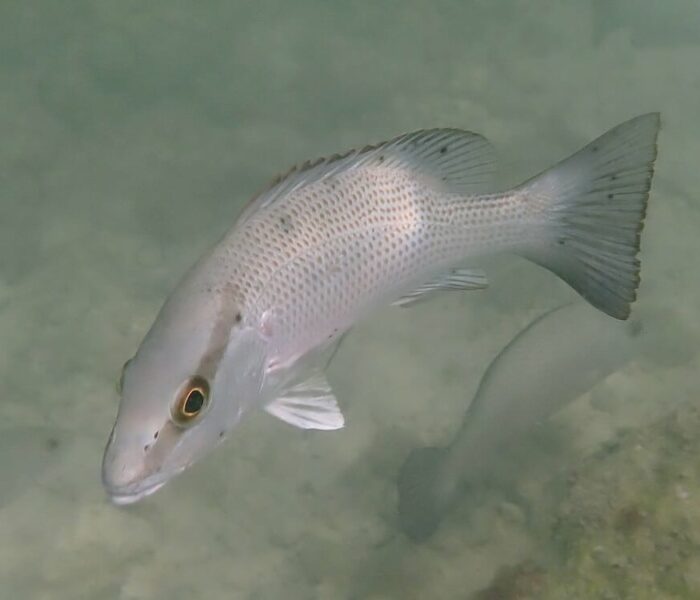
(255, 321)
(554, 360)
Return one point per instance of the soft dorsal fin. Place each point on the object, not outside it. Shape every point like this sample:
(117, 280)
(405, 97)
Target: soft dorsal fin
(461, 161)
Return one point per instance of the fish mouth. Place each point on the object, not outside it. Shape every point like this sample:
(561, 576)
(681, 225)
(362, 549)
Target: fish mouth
(131, 492)
(126, 496)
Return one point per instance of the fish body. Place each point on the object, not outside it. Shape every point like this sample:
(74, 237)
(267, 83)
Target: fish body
(554, 360)
(256, 320)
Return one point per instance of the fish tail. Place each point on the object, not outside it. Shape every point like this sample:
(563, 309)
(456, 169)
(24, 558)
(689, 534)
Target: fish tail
(593, 206)
(420, 510)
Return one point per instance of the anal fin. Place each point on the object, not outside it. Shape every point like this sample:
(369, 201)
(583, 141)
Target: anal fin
(455, 280)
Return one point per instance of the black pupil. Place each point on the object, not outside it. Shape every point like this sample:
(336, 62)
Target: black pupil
(194, 402)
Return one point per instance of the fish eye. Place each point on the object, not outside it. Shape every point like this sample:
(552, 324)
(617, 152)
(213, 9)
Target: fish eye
(191, 401)
(120, 381)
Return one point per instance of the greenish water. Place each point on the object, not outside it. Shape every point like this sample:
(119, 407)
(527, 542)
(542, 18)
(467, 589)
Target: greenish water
(133, 133)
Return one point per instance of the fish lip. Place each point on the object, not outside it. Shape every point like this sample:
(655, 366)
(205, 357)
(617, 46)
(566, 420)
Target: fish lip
(133, 494)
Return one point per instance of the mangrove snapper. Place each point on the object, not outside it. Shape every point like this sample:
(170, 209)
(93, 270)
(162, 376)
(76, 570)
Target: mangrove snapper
(254, 322)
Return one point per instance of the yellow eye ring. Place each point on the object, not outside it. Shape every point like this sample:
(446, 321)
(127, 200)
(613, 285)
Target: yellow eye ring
(191, 401)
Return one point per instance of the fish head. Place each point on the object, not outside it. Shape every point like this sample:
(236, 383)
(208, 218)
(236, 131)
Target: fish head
(198, 369)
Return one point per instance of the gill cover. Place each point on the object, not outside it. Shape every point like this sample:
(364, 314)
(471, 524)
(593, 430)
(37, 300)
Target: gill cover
(196, 371)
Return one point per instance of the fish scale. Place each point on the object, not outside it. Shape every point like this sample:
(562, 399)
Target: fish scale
(334, 251)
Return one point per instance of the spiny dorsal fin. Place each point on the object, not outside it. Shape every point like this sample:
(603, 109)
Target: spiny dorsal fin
(460, 161)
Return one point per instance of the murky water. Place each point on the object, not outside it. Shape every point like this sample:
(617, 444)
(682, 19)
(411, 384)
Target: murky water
(133, 133)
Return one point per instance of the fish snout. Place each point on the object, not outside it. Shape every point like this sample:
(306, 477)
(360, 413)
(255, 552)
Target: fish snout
(127, 475)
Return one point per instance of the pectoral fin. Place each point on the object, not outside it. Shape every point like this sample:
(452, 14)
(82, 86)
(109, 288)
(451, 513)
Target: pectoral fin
(310, 404)
(457, 279)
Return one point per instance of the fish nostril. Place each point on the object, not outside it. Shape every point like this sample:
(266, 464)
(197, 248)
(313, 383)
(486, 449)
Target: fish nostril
(147, 447)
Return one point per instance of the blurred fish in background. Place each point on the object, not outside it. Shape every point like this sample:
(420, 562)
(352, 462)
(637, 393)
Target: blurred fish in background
(553, 361)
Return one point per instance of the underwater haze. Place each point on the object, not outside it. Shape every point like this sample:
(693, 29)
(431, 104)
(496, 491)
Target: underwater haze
(133, 133)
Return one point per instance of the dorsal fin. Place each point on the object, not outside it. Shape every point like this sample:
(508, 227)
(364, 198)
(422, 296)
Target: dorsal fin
(461, 161)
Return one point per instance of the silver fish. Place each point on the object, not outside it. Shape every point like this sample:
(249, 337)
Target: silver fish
(254, 322)
(554, 360)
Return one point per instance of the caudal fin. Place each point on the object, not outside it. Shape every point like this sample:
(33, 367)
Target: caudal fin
(419, 510)
(594, 204)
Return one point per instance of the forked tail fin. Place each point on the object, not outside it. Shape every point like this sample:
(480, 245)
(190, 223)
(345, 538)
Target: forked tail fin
(593, 205)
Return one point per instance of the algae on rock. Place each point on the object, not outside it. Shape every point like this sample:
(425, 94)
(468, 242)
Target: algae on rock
(630, 524)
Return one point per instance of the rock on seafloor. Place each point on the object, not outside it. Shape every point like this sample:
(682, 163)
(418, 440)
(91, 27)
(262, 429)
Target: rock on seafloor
(629, 526)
